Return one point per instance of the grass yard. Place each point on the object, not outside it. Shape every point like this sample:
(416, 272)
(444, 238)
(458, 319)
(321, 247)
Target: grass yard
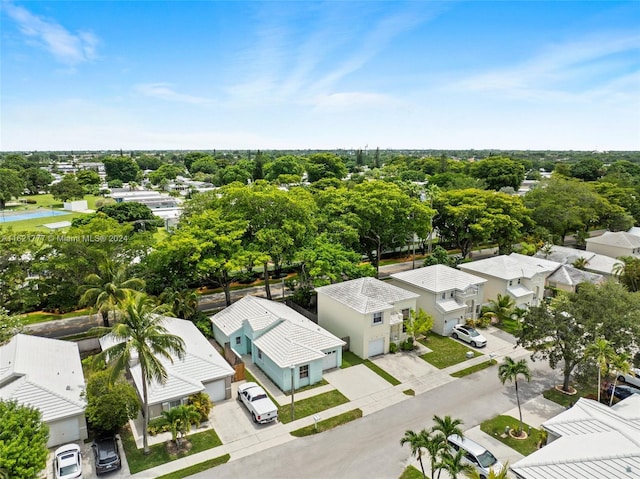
(411, 472)
(138, 461)
(472, 369)
(42, 317)
(306, 388)
(312, 405)
(511, 326)
(327, 424)
(200, 467)
(445, 351)
(349, 359)
(409, 392)
(495, 428)
(568, 400)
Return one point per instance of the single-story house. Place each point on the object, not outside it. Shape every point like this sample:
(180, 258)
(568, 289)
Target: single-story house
(46, 374)
(450, 296)
(280, 340)
(588, 441)
(202, 369)
(615, 244)
(593, 262)
(521, 277)
(368, 311)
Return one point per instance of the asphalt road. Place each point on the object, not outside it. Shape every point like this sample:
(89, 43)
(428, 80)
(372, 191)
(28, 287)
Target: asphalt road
(369, 448)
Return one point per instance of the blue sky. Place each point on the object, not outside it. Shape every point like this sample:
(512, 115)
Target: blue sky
(340, 74)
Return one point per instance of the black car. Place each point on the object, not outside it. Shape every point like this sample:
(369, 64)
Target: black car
(106, 455)
(622, 392)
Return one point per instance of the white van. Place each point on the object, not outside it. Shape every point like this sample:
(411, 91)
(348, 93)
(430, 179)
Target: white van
(476, 455)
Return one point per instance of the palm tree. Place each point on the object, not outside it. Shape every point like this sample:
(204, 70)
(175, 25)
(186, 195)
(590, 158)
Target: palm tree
(501, 474)
(435, 445)
(188, 415)
(416, 442)
(182, 303)
(501, 308)
(509, 370)
(447, 426)
(140, 334)
(602, 352)
(173, 417)
(454, 464)
(580, 263)
(621, 364)
(110, 287)
(628, 272)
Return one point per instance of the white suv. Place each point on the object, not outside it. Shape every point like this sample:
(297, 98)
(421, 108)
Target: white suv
(469, 335)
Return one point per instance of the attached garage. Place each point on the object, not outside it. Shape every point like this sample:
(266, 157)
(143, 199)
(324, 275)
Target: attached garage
(330, 360)
(376, 347)
(216, 390)
(65, 431)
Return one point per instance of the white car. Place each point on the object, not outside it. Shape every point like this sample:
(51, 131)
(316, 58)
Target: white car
(632, 377)
(67, 462)
(469, 335)
(255, 399)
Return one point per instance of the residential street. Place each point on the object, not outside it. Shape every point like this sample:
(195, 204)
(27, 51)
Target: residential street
(370, 447)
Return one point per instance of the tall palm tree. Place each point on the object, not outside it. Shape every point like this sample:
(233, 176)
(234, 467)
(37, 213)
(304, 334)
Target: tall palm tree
(105, 290)
(602, 352)
(509, 370)
(501, 474)
(435, 445)
(501, 308)
(416, 442)
(447, 426)
(454, 464)
(140, 334)
(183, 303)
(620, 364)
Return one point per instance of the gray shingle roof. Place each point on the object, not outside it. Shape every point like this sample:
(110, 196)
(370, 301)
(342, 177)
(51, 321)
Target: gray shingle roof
(366, 295)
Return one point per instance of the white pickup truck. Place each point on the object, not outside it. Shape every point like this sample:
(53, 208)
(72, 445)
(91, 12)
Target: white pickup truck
(257, 402)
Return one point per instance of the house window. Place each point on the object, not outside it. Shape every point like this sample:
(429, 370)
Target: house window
(451, 294)
(304, 371)
(259, 354)
(238, 340)
(377, 318)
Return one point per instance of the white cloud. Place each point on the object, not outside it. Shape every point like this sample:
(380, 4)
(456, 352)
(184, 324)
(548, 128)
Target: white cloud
(67, 47)
(165, 92)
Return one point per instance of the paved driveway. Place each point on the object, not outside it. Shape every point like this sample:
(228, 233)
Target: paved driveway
(88, 466)
(356, 382)
(404, 366)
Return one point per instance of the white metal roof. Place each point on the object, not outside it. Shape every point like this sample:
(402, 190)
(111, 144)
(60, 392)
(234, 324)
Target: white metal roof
(511, 267)
(595, 442)
(569, 275)
(201, 363)
(595, 262)
(43, 373)
(620, 239)
(438, 278)
(366, 295)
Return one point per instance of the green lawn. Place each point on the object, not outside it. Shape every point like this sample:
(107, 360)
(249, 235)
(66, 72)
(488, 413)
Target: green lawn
(445, 351)
(567, 400)
(42, 317)
(306, 388)
(138, 461)
(511, 326)
(411, 472)
(472, 369)
(409, 392)
(350, 359)
(496, 427)
(312, 405)
(200, 467)
(327, 424)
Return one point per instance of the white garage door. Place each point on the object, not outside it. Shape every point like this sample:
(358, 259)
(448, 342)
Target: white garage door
(330, 360)
(376, 347)
(216, 390)
(63, 432)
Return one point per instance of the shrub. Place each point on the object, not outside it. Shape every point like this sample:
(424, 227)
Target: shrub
(202, 404)
(158, 425)
(408, 344)
(393, 348)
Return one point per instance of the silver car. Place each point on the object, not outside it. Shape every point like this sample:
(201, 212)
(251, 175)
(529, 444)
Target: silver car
(469, 335)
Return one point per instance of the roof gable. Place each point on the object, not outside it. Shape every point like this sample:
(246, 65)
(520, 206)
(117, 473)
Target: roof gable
(438, 278)
(366, 295)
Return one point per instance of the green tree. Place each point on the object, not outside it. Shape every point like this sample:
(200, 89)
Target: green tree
(418, 324)
(23, 441)
(454, 464)
(439, 255)
(499, 172)
(138, 214)
(628, 272)
(10, 325)
(165, 172)
(289, 166)
(121, 168)
(510, 370)
(447, 426)
(501, 308)
(501, 474)
(416, 442)
(36, 180)
(67, 189)
(325, 165)
(602, 353)
(620, 364)
(141, 334)
(587, 169)
(89, 179)
(107, 290)
(11, 185)
(110, 404)
(182, 303)
(146, 162)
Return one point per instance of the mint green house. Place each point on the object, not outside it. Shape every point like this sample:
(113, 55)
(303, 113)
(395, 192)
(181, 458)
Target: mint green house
(279, 340)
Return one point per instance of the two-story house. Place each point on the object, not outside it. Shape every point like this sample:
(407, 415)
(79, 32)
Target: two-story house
(450, 296)
(368, 311)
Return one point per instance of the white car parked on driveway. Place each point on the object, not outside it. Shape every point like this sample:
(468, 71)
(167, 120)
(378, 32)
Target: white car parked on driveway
(67, 462)
(257, 402)
(469, 335)
(632, 377)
